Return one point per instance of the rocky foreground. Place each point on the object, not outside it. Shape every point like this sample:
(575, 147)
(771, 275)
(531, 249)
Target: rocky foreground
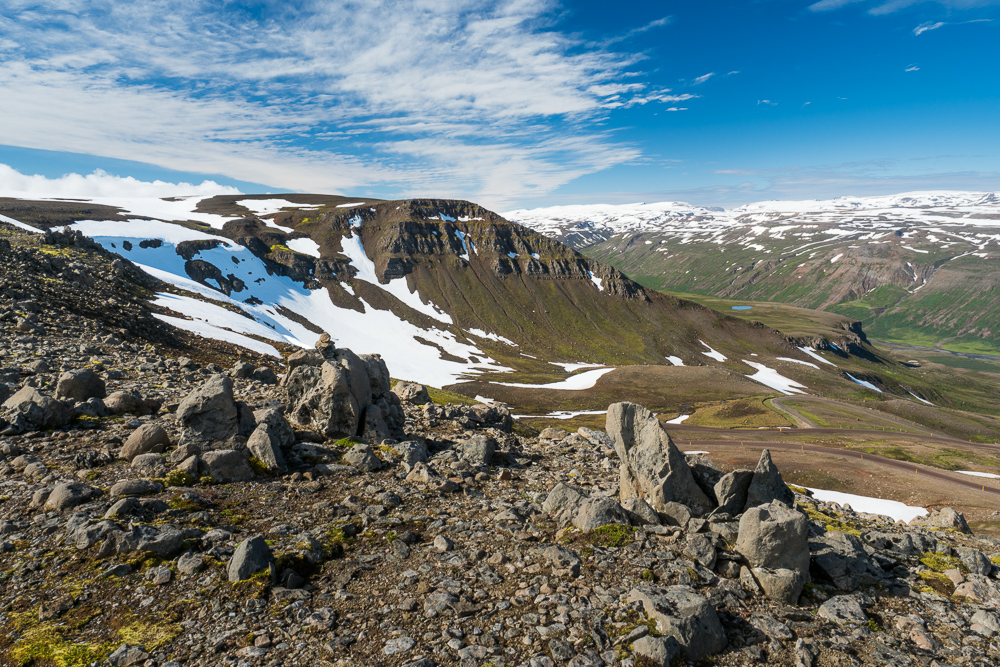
(155, 510)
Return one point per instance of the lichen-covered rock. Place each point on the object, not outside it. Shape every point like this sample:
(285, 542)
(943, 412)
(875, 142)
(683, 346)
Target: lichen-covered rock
(79, 385)
(775, 537)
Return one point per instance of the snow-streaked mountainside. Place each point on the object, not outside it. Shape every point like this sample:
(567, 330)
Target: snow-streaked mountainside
(584, 225)
(915, 267)
(447, 292)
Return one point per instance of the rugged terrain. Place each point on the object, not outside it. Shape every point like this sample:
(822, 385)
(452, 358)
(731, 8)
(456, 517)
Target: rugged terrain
(919, 268)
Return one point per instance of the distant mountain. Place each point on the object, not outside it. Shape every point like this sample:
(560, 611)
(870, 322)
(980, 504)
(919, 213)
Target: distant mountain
(919, 267)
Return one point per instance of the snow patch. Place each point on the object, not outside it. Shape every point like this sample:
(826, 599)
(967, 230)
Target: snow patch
(676, 361)
(677, 420)
(812, 353)
(863, 383)
(19, 225)
(491, 336)
(262, 207)
(918, 398)
(713, 354)
(773, 379)
(988, 475)
(585, 380)
(304, 245)
(796, 361)
(596, 281)
(891, 508)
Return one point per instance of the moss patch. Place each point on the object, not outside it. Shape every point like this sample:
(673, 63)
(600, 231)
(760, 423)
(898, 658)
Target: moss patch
(612, 535)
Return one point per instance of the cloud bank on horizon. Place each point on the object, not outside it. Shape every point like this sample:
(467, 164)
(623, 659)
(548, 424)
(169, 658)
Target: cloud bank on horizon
(507, 102)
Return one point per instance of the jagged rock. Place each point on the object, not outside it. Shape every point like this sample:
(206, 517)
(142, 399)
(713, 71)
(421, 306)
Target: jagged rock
(700, 547)
(767, 485)
(148, 438)
(29, 409)
(362, 457)
(652, 468)
(265, 444)
(227, 465)
(69, 495)
(374, 427)
(241, 370)
(640, 512)
(208, 414)
(731, 491)
(190, 563)
(478, 450)
(553, 434)
(841, 558)
(944, 518)
(412, 393)
(975, 560)
(80, 384)
(599, 511)
(411, 452)
(252, 555)
(684, 615)
(378, 374)
(320, 397)
(127, 655)
(660, 650)
(598, 438)
(781, 585)
(279, 426)
(979, 588)
(676, 514)
(304, 358)
(843, 609)
(775, 537)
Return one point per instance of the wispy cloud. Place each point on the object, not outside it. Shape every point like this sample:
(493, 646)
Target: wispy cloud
(313, 95)
(99, 184)
(934, 25)
(912, 68)
(703, 78)
(927, 27)
(889, 6)
(767, 103)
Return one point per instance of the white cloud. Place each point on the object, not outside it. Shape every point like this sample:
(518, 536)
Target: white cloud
(887, 7)
(307, 95)
(767, 103)
(912, 68)
(926, 27)
(98, 184)
(704, 77)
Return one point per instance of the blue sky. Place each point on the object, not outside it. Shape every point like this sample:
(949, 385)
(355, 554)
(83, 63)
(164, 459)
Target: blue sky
(512, 103)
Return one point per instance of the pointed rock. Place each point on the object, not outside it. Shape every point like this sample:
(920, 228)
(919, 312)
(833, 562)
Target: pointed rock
(767, 485)
(652, 468)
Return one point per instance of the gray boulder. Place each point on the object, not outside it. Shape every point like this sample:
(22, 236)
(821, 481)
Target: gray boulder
(148, 438)
(362, 457)
(265, 444)
(597, 438)
(123, 401)
(227, 465)
(320, 398)
(767, 485)
(569, 505)
(412, 393)
(80, 384)
(731, 491)
(841, 558)
(374, 427)
(378, 374)
(781, 585)
(208, 414)
(411, 452)
(661, 650)
(652, 468)
(252, 555)
(135, 487)
(279, 426)
(775, 537)
(944, 518)
(599, 511)
(975, 560)
(684, 615)
(478, 450)
(640, 512)
(69, 495)
(843, 609)
(563, 503)
(29, 409)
